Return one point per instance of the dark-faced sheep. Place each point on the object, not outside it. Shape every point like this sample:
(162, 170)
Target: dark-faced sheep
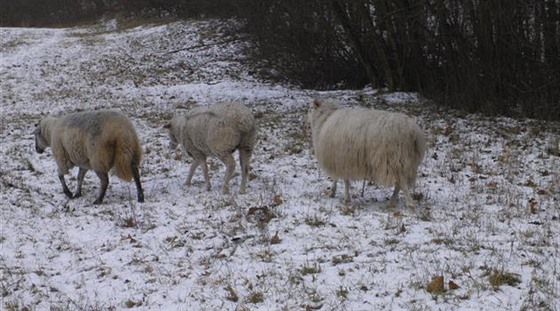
(366, 144)
(216, 131)
(98, 140)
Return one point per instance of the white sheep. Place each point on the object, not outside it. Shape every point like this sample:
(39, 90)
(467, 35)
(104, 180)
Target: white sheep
(217, 131)
(367, 144)
(97, 140)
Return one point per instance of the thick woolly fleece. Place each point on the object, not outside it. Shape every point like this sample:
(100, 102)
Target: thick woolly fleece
(216, 131)
(96, 140)
(366, 144)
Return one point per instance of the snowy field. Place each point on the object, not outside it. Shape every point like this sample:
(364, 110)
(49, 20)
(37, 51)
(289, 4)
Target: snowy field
(485, 234)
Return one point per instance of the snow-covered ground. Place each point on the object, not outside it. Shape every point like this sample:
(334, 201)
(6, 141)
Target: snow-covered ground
(488, 196)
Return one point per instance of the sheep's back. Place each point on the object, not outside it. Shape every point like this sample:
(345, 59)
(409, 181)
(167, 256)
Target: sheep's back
(209, 134)
(221, 127)
(369, 144)
(236, 114)
(91, 138)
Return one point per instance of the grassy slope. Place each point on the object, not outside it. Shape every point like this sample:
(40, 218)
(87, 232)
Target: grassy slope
(488, 194)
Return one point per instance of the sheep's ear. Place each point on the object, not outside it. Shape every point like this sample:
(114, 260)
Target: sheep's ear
(167, 126)
(316, 103)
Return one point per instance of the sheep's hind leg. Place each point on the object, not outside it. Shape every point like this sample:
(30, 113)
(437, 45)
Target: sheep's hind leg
(104, 178)
(244, 158)
(407, 197)
(333, 188)
(136, 175)
(81, 174)
(64, 186)
(347, 191)
(230, 168)
(395, 196)
(206, 176)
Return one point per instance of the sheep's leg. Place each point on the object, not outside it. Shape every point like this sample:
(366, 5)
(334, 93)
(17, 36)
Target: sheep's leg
(407, 197)
(64, 186)
(395, 196)
(206, 176)
(136, 175)
(333, 188)
(104, 178)
(244, 159)
(230, 168)
(346, 191)
(81, 174)
(193, 168)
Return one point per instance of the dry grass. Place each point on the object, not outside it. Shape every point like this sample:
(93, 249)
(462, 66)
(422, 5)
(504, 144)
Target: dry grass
(486, 220)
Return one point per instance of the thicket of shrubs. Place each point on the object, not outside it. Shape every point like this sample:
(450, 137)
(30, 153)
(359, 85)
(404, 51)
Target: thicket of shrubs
(499, 56)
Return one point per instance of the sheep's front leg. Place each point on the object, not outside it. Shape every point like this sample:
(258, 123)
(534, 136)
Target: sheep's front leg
(64, 186)
(81, 174)
(104, 179)
(230, 169)
(136, 175)
(193, 167)
(64, 164)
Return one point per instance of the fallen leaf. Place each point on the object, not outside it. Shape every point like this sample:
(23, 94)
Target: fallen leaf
(277, 200)
(452, 285)
(436, 286)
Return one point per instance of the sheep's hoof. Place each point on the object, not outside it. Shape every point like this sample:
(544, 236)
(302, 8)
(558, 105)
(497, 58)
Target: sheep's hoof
(97, 202)
(77, 195)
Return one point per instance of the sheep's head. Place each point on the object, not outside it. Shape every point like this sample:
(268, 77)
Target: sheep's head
(315, 105)
(173, 142)
(319, 111)
(40, 142)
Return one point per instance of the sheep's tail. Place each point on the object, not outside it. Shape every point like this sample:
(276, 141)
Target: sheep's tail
(128, 153)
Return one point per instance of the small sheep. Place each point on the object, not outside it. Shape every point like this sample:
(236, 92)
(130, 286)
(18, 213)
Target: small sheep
(217, 131)
(98, 140)
(373, 145)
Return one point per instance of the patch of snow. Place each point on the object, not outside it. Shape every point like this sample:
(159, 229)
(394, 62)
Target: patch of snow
(487, 194)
